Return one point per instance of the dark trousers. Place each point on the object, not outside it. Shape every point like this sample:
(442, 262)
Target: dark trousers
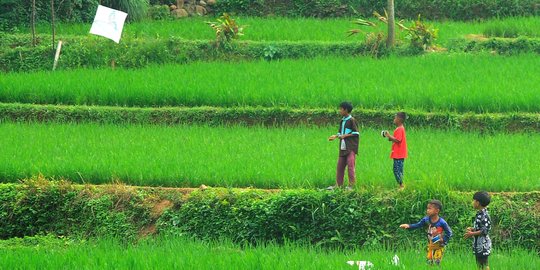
(482, 261)
(398, 170)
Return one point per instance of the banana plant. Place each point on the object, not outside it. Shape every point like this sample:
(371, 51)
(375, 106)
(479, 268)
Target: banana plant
(226, 29)
(420, 34)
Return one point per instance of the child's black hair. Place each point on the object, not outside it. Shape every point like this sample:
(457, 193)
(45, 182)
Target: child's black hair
(437, 204)
(482, 197)
(346, 105)
(402, 116)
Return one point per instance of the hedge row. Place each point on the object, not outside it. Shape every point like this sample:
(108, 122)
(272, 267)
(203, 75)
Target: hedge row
(340, 218)
(95, 52)
(269, 116)
(16, 53)
(498, 45)
(430, 9)
(14, 13)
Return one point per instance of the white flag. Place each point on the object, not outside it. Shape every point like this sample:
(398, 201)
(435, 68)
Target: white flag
(108, 23)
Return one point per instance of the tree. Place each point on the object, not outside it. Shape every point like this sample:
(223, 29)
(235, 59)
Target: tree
(391, 38)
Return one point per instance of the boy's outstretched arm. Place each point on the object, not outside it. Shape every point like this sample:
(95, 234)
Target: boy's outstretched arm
(417, 225)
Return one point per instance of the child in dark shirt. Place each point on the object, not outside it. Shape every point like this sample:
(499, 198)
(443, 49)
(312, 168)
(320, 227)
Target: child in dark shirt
(480, 230)
(348, 135)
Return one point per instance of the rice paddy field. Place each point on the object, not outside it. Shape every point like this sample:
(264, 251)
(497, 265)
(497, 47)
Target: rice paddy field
(437, 82)
(236, 156)
(182, 253)
(301, 29)
(275, 157)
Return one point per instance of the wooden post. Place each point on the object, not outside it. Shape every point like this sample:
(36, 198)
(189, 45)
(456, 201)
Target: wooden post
(390, 40)
(52, 22)
(57, 55)
(34, 23)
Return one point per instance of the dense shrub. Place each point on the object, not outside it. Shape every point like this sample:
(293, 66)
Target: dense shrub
(17, 13)
(344, 219)
(16, 53)
(159, 12)
(430, 9)
(274, 116)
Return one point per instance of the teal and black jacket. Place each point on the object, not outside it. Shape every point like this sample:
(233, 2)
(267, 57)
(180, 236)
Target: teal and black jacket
(349, 125)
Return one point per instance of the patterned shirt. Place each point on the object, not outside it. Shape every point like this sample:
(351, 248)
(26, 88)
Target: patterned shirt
(437, 232)
(482, 242)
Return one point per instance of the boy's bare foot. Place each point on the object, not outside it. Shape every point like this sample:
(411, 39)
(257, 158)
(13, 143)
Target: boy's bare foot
(401, 187)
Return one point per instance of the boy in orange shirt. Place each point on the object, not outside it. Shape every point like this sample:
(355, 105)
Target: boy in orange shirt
(399, 146)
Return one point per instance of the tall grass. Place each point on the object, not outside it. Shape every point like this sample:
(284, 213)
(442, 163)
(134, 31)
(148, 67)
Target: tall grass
(238, 156)
(512, 27)
(182, 253)
(294, 29)
(479, 83)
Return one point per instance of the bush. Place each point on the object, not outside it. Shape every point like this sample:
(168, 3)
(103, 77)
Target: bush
(137, 9)
(343, 219)
(430, 9)
(15, 13)
(274, 116)
(18, 12)
(159, 12)
(226, 30)
(330, 219)
(16, 53)
(497, 45)
(39, 206)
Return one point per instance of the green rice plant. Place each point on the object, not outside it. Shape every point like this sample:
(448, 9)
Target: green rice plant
(182, 253)
(435, 82)
(511, 28)
(237, 156)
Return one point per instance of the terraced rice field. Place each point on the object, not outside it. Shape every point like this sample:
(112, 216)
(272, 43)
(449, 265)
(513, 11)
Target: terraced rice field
(240, 156)
(478, 83)
(181, 253)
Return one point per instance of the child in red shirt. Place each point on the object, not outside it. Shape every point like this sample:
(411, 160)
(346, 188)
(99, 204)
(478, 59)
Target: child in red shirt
(399, 146)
